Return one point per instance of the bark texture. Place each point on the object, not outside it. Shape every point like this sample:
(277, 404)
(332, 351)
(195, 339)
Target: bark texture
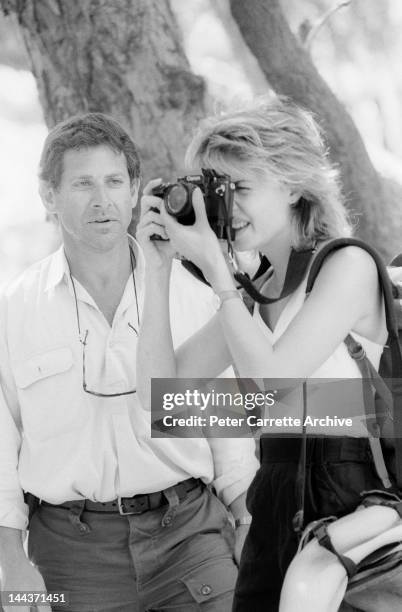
(124, 58)
(290, 71)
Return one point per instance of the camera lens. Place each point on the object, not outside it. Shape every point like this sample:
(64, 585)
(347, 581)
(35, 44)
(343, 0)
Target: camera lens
(176, 199)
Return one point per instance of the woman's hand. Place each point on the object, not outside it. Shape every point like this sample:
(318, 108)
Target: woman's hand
(158, 253)
(196, 242)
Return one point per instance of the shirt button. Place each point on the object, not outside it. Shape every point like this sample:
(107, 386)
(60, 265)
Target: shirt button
(167, 520)
(206, 589)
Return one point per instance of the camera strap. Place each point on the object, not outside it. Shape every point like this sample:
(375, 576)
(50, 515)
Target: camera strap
(295, 272)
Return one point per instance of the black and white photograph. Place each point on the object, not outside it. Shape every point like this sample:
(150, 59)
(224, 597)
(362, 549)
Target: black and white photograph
(200, 306)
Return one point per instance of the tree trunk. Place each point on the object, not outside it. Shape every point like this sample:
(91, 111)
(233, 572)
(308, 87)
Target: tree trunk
(124, 58)
(289, 71)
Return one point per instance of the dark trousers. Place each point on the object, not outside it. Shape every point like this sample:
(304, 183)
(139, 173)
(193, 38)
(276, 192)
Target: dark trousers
(337, 471)
(138, 563)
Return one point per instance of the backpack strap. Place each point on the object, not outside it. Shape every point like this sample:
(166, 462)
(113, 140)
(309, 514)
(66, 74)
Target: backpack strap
(397, 261)
(324, 539)
(395, 383)
(385, 283)
(371, 407)
(382, 498)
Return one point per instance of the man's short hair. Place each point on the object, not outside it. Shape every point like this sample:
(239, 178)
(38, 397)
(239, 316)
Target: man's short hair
(81, 132)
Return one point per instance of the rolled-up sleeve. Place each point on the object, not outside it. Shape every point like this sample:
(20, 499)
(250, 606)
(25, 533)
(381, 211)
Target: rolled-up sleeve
(235, 466)
(13, 510)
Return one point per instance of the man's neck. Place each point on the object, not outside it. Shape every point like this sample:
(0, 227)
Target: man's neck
(99, 269)
(103, 274)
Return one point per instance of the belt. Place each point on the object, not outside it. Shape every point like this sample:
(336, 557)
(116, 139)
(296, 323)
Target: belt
(138, 504)
(287, 450)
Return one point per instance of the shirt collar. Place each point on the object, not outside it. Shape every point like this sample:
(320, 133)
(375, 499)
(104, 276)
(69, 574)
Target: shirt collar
(59, 269)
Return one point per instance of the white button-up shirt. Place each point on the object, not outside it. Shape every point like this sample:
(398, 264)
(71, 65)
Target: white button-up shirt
(61, 443)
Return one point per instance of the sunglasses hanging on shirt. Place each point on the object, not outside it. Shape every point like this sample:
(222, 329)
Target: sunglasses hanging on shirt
(83, 336)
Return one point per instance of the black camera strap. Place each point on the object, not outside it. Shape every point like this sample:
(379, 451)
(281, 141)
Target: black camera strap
(295, 272)
(196, 272)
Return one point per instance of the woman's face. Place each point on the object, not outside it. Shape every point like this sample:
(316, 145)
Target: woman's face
(261, 210)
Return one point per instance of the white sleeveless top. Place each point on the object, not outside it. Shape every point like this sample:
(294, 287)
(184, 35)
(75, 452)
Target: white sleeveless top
(340, 365)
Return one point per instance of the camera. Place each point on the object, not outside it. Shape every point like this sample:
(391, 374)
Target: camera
(218, 191)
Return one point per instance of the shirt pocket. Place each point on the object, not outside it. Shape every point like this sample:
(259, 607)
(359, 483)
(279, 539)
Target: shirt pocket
(46, 392)
(42, 365)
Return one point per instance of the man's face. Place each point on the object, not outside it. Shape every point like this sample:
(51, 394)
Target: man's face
(94, 200)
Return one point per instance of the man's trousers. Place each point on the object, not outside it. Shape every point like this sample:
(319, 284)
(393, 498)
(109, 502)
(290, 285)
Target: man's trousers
(174, 558)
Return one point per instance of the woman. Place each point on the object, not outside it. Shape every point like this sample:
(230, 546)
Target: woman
(287, 198)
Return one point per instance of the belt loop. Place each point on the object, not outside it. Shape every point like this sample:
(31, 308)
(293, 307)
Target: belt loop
(74, 515)
(173, 499)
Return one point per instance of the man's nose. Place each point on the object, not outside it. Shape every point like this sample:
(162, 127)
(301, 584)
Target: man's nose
(100, 195)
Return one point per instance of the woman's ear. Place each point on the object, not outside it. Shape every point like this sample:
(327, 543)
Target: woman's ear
(294, 197)
(47, 195)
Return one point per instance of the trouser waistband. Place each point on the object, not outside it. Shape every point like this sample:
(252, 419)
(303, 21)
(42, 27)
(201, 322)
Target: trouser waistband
(137, 504)
(284, 450)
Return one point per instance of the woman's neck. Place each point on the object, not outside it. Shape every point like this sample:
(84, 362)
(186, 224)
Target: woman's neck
(277, 253)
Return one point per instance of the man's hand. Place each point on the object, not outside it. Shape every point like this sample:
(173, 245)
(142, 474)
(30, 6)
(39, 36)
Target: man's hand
(16, 572)
(24, 577)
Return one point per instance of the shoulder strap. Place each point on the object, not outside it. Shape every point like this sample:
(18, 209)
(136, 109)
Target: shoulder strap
(395, 383)
(397, 261)
(324, 539)
(385, 283)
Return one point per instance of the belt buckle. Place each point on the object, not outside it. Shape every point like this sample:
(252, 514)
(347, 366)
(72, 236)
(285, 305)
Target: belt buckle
(122, 510)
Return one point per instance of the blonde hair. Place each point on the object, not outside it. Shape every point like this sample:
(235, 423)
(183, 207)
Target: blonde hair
(277, 137)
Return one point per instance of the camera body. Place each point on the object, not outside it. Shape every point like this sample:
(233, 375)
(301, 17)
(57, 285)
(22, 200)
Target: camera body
(218, 191)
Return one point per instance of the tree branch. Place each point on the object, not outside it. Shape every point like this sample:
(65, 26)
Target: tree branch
(289, 71)
(310, 32)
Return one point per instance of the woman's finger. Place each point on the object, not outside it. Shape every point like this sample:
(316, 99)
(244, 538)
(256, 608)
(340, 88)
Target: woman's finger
(152, 229)
(148, 202)
(168, 220)
(150, 217)
(199, 207)
(151, 185)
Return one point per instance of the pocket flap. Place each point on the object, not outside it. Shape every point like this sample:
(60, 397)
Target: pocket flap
(43, 365)
(211, 580)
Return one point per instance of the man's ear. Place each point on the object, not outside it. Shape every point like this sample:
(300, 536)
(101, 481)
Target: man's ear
(46, 193)
(134, 188)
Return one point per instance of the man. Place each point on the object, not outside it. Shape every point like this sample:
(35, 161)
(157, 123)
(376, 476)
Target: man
(123, 522)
